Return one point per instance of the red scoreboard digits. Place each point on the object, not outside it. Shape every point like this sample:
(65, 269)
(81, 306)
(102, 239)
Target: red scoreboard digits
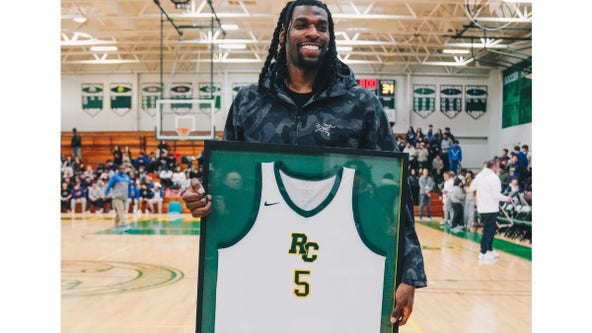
(368, 83)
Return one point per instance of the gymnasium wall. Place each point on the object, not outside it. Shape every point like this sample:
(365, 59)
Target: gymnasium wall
(480, 138)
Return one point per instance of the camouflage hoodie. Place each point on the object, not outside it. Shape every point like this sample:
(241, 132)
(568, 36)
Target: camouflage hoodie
(345, 116)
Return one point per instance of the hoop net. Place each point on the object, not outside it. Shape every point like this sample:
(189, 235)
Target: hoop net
(183, 132)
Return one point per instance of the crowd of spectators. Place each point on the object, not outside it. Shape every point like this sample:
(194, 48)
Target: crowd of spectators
(440, 152)
(154, 176)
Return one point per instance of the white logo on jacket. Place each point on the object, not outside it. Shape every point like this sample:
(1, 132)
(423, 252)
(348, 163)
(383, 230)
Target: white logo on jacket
(324, 128)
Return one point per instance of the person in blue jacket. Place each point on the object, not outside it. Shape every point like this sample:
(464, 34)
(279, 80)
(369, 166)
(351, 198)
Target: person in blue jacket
(119, 188)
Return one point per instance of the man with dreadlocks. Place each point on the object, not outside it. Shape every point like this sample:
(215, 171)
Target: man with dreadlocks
(307, 96)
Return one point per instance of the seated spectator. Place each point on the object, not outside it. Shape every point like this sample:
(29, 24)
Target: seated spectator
(157, 196)
(512, 189)
(166, 177)
(78, 195)
(65, 197)
(95, 197)
(145, 196)
(132, 198)
(180, 180)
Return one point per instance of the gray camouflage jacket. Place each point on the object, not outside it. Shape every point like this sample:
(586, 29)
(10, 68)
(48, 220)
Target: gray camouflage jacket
(344, 116)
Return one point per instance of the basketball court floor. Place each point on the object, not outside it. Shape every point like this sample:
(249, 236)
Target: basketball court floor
(145, 280)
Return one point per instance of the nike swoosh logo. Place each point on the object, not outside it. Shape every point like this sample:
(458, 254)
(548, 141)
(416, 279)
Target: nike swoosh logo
(270, 203)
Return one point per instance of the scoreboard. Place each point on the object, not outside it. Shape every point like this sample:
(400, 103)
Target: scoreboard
(385, 90)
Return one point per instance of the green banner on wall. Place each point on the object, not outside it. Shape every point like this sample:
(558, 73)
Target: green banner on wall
(517, 95)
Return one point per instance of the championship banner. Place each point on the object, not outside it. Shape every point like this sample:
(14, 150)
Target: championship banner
(517, 95)
(210, 91)
(424, 99)
(181, 91)
(451, 99)
(121, 98)
(299, 239)
(475, 100)
(150, 94)
(92, 98)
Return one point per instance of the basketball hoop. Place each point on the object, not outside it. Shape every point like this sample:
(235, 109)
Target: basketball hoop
(183, 132)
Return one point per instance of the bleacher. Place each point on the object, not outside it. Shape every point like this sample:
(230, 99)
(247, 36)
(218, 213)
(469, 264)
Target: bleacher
(97, 147)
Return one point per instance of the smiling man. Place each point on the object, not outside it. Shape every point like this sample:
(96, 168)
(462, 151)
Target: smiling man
(307, 96)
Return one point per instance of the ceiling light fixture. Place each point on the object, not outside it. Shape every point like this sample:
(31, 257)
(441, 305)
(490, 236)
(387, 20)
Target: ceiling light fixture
(232, 46)
(103, 48)
(344, 48)
(230, 26)
(79, 19)
(455, 51)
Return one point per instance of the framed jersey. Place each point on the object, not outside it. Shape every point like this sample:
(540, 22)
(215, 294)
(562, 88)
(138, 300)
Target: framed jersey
(299, 239)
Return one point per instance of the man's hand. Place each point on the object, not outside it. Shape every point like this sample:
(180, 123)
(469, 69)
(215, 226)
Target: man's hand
(404, 297)
(196, 199)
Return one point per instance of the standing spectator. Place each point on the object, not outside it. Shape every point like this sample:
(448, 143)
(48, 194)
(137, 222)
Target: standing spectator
(516, 170)
(411, 136)
(455, 157)
(457, 199)
(410, 149)
(423, 156)
(162, 149)
(435, 146)
(438, 169)
(78, 195)
(469, 211)
(426, 186)
(488, 188)
(526, 150)
(76, 144)
(430, 133)
(445, 145)
(95, 197)
(119, 188)
(447, 187)
(522, 159)
(65, 196)
(505, 155)
(413, 180)
(117, 156)
(419, 136)
(447, 132)
(400, 143)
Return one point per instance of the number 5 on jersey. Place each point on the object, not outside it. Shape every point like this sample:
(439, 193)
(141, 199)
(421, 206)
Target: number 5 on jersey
(302, 286)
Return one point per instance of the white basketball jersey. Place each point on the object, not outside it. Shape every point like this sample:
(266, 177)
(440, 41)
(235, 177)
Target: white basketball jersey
(302, 267)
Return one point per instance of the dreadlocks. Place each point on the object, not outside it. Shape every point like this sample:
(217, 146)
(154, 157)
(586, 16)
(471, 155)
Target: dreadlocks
(275, 65)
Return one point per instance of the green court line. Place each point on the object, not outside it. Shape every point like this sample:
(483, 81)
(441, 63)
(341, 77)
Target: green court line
(498, 243)
(155, 226)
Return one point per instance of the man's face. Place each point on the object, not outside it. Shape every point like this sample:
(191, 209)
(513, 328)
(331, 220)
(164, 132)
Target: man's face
(307, 38)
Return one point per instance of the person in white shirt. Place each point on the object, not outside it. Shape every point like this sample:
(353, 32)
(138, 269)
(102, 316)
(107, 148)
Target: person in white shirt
(446, 189)
(158, 196)
(488, 191)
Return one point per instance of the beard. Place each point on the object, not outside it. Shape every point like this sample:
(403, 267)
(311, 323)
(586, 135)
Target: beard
(309, 63)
